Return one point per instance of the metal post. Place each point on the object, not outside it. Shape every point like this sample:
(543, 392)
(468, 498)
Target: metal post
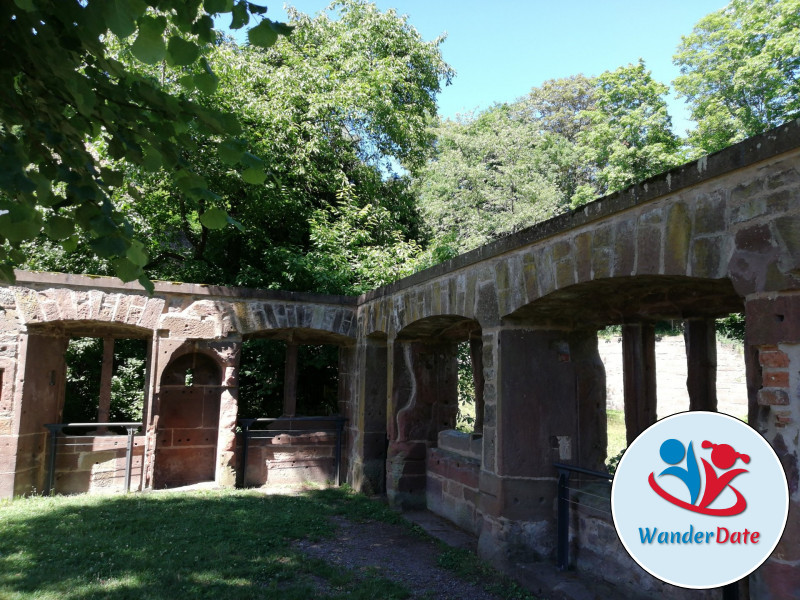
(49, 486)
(563, 519)
(731, 591)
(241, 478)
(338, 465)
(129, 458)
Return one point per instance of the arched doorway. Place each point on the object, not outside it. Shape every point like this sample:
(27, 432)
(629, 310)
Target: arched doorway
(188, 421)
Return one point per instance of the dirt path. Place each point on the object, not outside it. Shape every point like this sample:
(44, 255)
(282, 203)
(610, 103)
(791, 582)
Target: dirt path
(391, 551)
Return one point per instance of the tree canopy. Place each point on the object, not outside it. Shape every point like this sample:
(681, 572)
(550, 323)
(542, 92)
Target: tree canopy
(331, 110)
(740, 71)
(63, 96)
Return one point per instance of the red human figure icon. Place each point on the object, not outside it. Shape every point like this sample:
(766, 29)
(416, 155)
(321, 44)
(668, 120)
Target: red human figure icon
(724, 457)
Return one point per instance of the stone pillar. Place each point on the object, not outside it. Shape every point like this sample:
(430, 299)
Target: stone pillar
(290, 380)
(228, 353)
(550, 392)
(38, 399)
(368, 419)
(639, 377)
(773, 335)
(106, 373)
(424, 402)
(478, 380)
(700, 338)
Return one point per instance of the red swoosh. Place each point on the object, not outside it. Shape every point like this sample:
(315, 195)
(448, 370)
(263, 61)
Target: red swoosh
(737, 508)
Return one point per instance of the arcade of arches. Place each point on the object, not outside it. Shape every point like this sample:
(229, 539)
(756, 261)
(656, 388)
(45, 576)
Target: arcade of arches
(717, 236)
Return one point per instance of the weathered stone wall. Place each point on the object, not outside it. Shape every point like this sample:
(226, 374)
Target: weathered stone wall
(288, 459)
(715, 236)
(453, 471)
(96, 463)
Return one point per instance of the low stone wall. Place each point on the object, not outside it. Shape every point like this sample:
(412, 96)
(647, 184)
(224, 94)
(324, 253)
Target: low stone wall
(453, 471)
(595, 548)
(291, 458)
(96, 463)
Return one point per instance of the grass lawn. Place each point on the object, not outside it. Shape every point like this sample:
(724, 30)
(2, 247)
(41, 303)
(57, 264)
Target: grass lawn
(616, 432)
(202, 544)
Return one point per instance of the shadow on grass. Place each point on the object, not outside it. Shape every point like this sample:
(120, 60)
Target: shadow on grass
(180, 545)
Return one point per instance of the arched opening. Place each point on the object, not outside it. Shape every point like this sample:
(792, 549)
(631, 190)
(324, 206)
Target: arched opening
(187, 429)
(293, 378)
(424, 409)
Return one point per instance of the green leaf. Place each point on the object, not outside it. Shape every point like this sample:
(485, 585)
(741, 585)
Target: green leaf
(281, 28)
(148, 48)
(262, 35)
(240, 16)
(217, 6)
(254, 176)
(180, 52)
(252, 161)
(126, 270)
(256, 9)
(70, 244)
(137, 254)
(206, 83)
(59, 228)
(147, 284)
(231, 151)
(26, 5)
(120, 20)
(214, 218)
(109, 247)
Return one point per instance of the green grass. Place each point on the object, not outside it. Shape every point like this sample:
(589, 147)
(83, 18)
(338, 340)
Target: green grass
(203, 544)
(219, 544)
(616, 432)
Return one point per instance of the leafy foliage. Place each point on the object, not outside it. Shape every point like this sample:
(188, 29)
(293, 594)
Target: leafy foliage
(740, 71)
(331, 109)
(70, 111)
(559, 147)
(84, 358)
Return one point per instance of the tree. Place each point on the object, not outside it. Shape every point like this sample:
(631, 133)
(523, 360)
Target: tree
(629, 137)
(330, 109)
(62, 96)
(740, 71)
(491, 175)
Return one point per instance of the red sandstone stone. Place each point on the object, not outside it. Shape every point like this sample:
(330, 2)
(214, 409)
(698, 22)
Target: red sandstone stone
(772, 397)
(773, 359)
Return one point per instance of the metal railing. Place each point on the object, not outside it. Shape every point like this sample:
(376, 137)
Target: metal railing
(260, 434)
(729, 592)
(565, 500)
(57, 429)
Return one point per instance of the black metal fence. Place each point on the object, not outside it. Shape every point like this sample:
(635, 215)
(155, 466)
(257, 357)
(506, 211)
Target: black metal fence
(588, 488)
(57, 432)
(287, 425)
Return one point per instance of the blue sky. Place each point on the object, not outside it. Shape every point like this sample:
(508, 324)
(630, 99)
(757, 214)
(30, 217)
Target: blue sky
(501, 49)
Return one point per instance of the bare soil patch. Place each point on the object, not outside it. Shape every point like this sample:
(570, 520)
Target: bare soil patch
(395, 553)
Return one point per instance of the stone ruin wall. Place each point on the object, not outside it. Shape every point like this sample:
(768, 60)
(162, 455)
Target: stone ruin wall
(716, 236)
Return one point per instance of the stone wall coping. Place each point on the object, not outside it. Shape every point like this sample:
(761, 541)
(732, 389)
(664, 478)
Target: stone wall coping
(463, 444)
(42, 280)
(765, 146)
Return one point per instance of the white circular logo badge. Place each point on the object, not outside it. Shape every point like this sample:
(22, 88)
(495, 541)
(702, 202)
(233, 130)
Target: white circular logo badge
(699, 500)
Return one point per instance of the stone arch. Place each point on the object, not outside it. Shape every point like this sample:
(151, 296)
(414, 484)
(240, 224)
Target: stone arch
(423, 399)
(186, 417)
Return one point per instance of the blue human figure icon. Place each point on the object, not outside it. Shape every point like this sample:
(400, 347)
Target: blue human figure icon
(672, 453)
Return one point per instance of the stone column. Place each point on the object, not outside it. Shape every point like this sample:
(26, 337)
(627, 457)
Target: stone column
(773, 335)
(228, 354)
(367, 424)
(550, 393)
(639, 377)
(424, 402)
(700, 338)
(290, 380)
(478, 380)
(106, 372)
